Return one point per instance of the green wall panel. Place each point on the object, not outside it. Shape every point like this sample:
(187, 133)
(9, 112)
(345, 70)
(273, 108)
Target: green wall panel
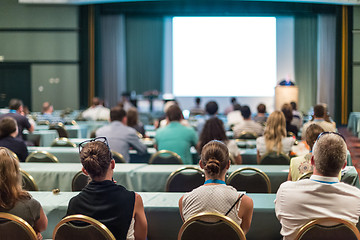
(356, 17)
(39, 46)
(356, 89)
(356, 47)
(58, 84)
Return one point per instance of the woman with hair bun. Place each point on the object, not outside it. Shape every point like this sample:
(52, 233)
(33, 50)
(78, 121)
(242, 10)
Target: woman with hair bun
(215, 195)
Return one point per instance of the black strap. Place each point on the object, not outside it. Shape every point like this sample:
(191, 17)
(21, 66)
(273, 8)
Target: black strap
(234, 204)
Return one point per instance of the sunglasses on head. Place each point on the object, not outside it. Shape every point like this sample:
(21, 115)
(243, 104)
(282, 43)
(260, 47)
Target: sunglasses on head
(325, 133)
(97, 139)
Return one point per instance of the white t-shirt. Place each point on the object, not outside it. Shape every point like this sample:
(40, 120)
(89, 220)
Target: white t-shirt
(287, 143)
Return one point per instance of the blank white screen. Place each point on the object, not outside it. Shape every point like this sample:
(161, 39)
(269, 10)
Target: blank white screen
(224, 56)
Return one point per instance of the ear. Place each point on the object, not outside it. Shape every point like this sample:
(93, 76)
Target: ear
(112, 164)
(228, 164)
(312, 160)
(124, 120)
(84, 171)
(201, 164)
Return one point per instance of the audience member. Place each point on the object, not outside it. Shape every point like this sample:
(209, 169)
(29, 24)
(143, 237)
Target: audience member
(211, 109)
(121, 211)
(287, 111)
(97, 112)
(47, 114)
(247, 125)
(8, 133)
(133, 121)
(274, 138)
(322, 195)
(319, 119)
(235, 117)
(125, 102)
(302, 164)
(297, 116)
(16, 112)
(214, 130)
(197, 109)
(231, 107)
(120, 136)
(164, 121)
(215, 195)
(176, 137)
(261, 117)
(15, 200)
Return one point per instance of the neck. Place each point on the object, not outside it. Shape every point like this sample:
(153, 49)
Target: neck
(14, 134)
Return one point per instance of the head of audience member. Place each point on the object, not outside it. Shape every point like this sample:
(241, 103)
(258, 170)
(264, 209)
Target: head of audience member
(47, 108)
(287, 111)
(233, 100)
(213, 130)
(215, 160)
(97, 102)
(237, 107)
(275, 131)
(197, 101)
(211, 108)
(16, 104)
(118, 114)
(293, 105)
(132, 117)
(261, 109)
(174, 113)
(319, 111)
(10, 182)
(329, 154)
(97, 161)
(8, 127)
(246, 112)
(312, 133)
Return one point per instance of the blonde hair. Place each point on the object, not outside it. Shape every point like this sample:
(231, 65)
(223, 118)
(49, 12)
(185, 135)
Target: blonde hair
(10, 181)
(275, 131)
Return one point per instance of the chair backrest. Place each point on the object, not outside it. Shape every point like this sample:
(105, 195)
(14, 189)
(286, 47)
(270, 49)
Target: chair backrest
(247, 135)
(306, 175)
(41, 156)
(79, 181)
(185, 179)
(13, 227)
(210, 226)
(328, 229)
(251, 180)
(62, 142)
(78, 226)
(118, 157)
(59, 127)
(28, 182)
(273, 158)
(165, 157)
(13, 154)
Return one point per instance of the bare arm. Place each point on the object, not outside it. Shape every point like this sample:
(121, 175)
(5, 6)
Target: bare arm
(258, 157)
(140, 228)
(41, 223)
(238, 159)
(246, 212)
(180, 208)
(289, 175)
(31, 128)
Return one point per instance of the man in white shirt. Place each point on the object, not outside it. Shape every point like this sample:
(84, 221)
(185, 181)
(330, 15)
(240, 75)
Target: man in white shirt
(322, 195)
(97, 112)
(247, 125)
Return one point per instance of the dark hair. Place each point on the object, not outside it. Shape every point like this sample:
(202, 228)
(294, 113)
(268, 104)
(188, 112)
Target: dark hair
(287, 111)
(15, 104)
(96, 101)
(319, 111)
(117, 113)
(237, 107)
(7, 126)
(245, 111)
(213, 130)
(215, 157)
(197, 100)
(233, 100)
(312, 133)
(45, 107)
(132, 117)
(293, 105)
(95, 158)
(174, 113)
(211, 108)
(261, 108)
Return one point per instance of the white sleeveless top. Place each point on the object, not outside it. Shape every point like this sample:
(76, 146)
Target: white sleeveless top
(217, 198)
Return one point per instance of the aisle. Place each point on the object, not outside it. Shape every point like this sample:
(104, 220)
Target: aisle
(353, 144)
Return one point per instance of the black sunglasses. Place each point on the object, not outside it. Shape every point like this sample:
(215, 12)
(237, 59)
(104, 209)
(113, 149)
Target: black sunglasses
(336, 133)
(97, 139)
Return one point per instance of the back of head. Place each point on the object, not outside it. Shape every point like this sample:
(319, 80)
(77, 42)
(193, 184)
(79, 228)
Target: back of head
(46, 107)
(96, 101)
(174, 113)
(312, 133)
(245, 112)
(213, 130)
(261, 108)
(233, 100)
(237, 107)
(215, 157)
(319, 111)
(8, 126)
(275, 125)
(117, 113)
(287, 111)
(329, 153)
(10, 181)
(293, 105)
(95, 158)
(15, 104)
(211, 108)
(197, 101)
(132, 117)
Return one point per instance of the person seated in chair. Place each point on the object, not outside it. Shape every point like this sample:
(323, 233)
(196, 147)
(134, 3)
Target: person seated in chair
(322, 195)
(121, 211)
(248, 125)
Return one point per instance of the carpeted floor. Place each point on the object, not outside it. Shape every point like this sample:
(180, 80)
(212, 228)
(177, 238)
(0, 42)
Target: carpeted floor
(353, 144)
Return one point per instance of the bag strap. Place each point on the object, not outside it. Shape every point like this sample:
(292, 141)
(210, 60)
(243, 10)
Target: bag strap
(234, 204)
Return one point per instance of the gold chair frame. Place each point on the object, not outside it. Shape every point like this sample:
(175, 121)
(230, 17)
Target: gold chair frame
(22, 223)
(305, 228)
(50, 155)
(13, 154)
(218, 216)
(306, 175)
(79, 217)
(264, 175)
(173, 154)
(243, 133)
(30, 179)
(174, 173)
(75, 176)
(119, 156)
(66, 140)
(280, 154)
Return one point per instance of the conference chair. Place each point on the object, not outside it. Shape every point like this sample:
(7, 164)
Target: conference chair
(165, 157)
(62, 142)
(328, 229)
(28, 182)
(41, 156)
(79, 226)
(79, 181)
(306, 175)
(43, 123)
(247, 135)
(60, 128)
(251, 180)
(13, 154)
(118, 157)
(273, 158)
(210, 226)
(13, 227)
(185, 179)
